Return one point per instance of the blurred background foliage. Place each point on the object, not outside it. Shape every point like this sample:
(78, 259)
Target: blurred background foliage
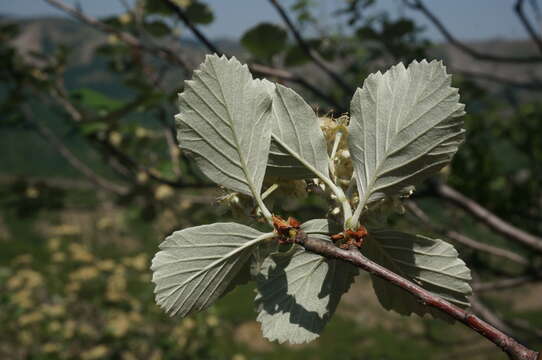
(91, 180)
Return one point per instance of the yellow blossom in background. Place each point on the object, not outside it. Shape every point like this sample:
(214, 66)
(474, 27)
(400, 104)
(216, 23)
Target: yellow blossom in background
(22, 298)
(32, 192)
(118, 324)
(51, 347)
(142, 177)
(58, 257)
(53, 244)
(97, 352)
(65, 230)
(80, 253)
(69, 329)
(54, 310)
(125, 18)
(30, 318)
(25, 337)
(106, 265)
(112, 39)
(54, 326)
(116, 285)
(212, 320)
(139, 262)
(28, 278)
(163, 192)
(115, 138)
(84, 274)
(23, 260)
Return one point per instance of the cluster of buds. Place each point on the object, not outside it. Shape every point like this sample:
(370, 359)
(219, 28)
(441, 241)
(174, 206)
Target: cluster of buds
(287, 230)
(349, 238)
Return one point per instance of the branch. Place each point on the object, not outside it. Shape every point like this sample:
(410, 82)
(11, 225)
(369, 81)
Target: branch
(197, 33)
(506, 283)
(491, 220)
(71, 158)
(288, 76)
(462, 239)
(311, 53)
(256, 68)
(532, 86)
(127, 38)
(419, 6)
(518, 8)
(510, 346)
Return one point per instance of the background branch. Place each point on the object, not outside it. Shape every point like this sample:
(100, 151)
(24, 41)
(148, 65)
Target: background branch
(311, 53)
(420, 6)
(487, 217)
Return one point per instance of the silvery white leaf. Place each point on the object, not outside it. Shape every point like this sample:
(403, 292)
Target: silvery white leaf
(403, 128)
(225, 121)
(296, 126)
(195, 266)
(431, 263)
(297, 294)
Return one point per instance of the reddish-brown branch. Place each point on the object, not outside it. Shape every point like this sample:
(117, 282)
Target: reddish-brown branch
(509, 345)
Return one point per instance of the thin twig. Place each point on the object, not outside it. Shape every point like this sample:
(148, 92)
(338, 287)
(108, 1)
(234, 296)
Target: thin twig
(487, 217)
(532, 85)
(127, 38)
(419, 6)
(509, 345)
(66, 153)
(506, 283)
(310, 52)
(462, 239)
(518, 8)
(256, 68)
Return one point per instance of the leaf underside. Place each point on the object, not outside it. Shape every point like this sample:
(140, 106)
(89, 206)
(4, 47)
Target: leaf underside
(403, 128)
(431, 263)
(225, 121)
(196, 265)
(295, 124)
(298, 294)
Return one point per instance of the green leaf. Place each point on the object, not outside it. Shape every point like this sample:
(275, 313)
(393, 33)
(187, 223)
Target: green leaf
(96, 100)
(199, 13)
(431, 263)
(225, 121)
(298, 294)
(157, 28)
(265, 40)
(403, 128)
(297, 140)
(196, 265)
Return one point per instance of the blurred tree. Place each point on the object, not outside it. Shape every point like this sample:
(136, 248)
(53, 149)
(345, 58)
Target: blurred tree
(117, 131)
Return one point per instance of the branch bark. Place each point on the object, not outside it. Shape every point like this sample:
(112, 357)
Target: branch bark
(487, 217)
(518, 8)
(76, 163)
(462, 239)
(420, 6)
(509, 345)
(311, 53)
(256, 68)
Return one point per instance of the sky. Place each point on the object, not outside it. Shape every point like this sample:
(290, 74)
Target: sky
(467, 19)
